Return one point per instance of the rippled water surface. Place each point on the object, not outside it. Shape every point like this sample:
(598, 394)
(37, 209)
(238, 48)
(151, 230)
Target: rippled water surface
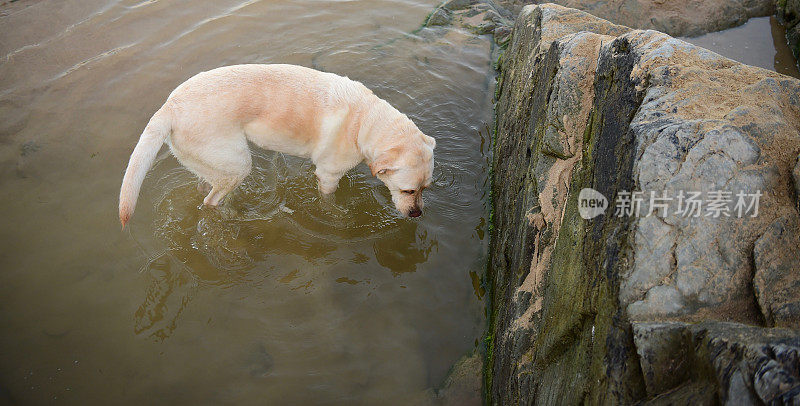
(277, 296)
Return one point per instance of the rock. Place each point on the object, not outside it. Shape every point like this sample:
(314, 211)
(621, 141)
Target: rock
(777, 278)
(788, 12)
(454, 5)
(486, 27)
(734, 363)
(674, 17)
(463, 385)
(477, 16)
(440, 16)
(704, 144)
(547, 84)
(584, 103)
(665, 352)
(502, 34)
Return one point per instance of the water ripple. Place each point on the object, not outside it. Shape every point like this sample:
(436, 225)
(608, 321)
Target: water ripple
(234, 236)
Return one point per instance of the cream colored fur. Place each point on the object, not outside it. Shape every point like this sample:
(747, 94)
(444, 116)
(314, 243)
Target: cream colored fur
(334, 121)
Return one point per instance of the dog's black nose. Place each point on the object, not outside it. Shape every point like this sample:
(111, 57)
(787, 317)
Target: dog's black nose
(415, 213)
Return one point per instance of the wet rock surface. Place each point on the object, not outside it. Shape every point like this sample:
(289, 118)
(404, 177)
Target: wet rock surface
(476, 16)
(584, 103)
(788, 12)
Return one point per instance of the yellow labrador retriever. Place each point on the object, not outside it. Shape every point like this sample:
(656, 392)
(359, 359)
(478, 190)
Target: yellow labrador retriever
(335, 121)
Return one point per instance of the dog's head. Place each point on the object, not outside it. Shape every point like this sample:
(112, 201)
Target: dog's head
(406, 169)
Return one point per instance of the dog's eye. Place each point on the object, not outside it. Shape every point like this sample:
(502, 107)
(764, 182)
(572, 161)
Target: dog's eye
(408, 192)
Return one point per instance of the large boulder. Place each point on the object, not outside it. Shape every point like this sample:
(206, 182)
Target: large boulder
(645, 121)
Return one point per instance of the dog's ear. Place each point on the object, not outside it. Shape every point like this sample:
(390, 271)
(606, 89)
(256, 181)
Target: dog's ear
(384, 162)
(379, 168)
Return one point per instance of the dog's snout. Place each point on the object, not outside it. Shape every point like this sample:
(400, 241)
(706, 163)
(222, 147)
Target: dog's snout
(415, 213)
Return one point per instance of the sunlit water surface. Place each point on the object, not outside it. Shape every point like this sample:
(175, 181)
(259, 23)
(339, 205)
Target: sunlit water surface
(277, 297)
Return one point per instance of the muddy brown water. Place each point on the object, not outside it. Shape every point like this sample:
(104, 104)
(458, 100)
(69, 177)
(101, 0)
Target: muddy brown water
(274, 298)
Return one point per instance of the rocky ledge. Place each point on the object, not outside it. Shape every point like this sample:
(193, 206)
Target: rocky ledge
(656, 299)
(674, 17)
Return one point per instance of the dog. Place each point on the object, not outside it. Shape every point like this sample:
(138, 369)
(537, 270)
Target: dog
(337, 122)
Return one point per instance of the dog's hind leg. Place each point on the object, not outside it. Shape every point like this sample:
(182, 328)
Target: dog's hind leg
(223, 162)
(223, 183)
(219, 191)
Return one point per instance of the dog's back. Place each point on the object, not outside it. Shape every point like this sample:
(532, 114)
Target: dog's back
(208, 119)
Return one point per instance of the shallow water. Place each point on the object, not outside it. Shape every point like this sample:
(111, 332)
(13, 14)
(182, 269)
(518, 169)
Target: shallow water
(759, 42)
(275, 296)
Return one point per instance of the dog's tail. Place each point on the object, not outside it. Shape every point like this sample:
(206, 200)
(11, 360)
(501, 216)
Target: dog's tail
(157, 130)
